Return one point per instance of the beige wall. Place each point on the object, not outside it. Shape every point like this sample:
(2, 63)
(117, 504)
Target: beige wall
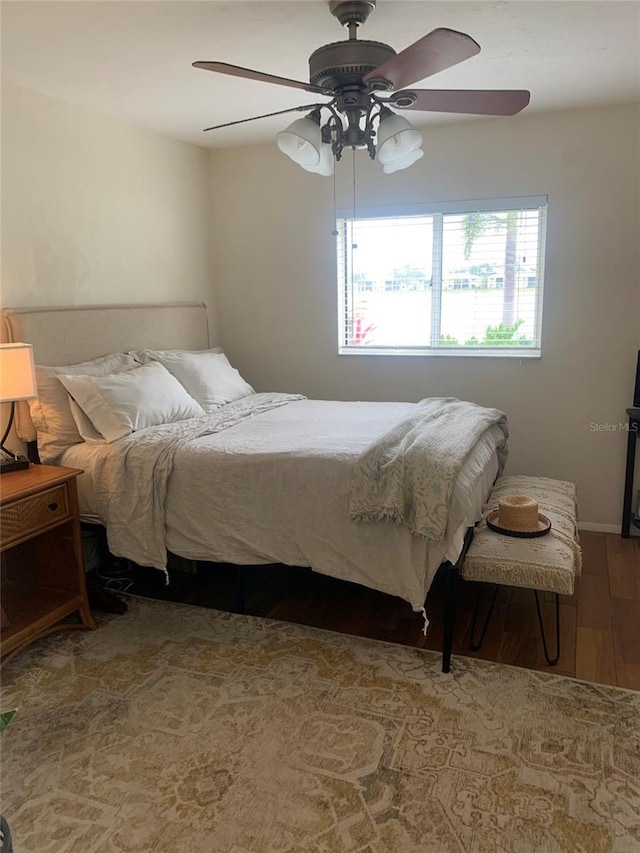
(275, 290)
(95, 210)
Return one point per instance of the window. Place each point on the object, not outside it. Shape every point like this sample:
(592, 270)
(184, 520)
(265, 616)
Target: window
(463, 279)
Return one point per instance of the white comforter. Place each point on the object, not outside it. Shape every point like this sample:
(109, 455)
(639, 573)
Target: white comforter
(274, 488)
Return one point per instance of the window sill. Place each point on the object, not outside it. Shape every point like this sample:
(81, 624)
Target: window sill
(446, 352)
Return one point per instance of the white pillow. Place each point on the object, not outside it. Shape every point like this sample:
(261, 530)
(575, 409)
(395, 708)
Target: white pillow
(207, 376)
(123, 403)
(51, 411)
(86, 429)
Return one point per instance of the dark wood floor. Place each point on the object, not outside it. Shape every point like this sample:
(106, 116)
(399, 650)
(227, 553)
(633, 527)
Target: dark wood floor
(600, 623)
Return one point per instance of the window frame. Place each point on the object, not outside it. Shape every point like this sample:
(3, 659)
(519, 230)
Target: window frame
(499, 205)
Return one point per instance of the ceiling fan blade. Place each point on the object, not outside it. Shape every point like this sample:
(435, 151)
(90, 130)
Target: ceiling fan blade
(303, 108)
(249, 74)
(483, 102)
(434, 52)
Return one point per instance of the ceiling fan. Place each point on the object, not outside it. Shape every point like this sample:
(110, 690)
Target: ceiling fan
(363, 79)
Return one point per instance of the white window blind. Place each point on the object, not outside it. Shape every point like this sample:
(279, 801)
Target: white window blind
(465, 279)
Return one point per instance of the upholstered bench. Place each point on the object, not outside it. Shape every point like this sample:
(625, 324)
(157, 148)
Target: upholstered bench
(550, 562)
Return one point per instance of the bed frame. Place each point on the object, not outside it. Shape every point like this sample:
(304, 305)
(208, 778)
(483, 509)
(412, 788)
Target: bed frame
(69, 334)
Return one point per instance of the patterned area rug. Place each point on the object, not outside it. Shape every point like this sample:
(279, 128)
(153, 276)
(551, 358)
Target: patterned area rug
(188, 730)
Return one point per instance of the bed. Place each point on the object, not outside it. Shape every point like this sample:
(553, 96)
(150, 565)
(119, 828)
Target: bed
(273, 484)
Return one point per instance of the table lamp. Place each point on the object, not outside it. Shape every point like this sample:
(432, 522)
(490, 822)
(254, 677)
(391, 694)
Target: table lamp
(17, 382)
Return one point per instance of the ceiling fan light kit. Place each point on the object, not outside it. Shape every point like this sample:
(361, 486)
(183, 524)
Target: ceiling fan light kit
(397, 138)
(360, 76)
(403, 162)
(326, 163)
(302, 140)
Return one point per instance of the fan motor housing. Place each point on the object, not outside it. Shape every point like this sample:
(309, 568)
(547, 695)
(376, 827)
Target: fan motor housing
(346, 62)
(352, 12)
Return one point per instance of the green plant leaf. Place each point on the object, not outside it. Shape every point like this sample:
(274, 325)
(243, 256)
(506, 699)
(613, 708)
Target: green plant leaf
(5, 719)
(448, 341)
(501, 336)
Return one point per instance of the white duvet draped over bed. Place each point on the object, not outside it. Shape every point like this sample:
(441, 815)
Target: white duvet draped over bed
(267, 480)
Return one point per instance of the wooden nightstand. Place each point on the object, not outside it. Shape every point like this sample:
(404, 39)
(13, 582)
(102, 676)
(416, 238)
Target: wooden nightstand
(42, 564)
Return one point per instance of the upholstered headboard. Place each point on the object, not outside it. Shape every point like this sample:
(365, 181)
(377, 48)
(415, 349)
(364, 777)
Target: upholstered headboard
(70, 334)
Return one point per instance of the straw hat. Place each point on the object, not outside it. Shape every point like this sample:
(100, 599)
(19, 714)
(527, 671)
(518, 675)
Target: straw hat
(518, 515)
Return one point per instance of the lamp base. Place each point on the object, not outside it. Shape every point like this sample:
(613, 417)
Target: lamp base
(13, 463)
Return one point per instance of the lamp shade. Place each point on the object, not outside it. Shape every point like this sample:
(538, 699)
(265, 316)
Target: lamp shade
(397, 138)
(404, 163)
(17, 373)
(326, 164)
(302, 140)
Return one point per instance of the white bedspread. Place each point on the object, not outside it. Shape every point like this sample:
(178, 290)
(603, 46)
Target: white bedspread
(274, 488)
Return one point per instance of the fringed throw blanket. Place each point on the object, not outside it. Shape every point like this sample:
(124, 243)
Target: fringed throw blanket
(407, 475)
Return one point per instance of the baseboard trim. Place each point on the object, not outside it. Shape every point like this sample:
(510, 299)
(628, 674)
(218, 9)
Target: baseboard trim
(596, 527)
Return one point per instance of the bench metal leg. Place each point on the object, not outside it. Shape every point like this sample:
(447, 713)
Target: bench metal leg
(475, 646)
(550, 661)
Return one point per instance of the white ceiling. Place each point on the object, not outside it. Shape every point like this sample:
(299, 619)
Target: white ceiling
(132, 60)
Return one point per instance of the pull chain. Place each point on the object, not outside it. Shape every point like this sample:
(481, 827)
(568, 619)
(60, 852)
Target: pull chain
(335, 209)
(353, 161)
(353, 214)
